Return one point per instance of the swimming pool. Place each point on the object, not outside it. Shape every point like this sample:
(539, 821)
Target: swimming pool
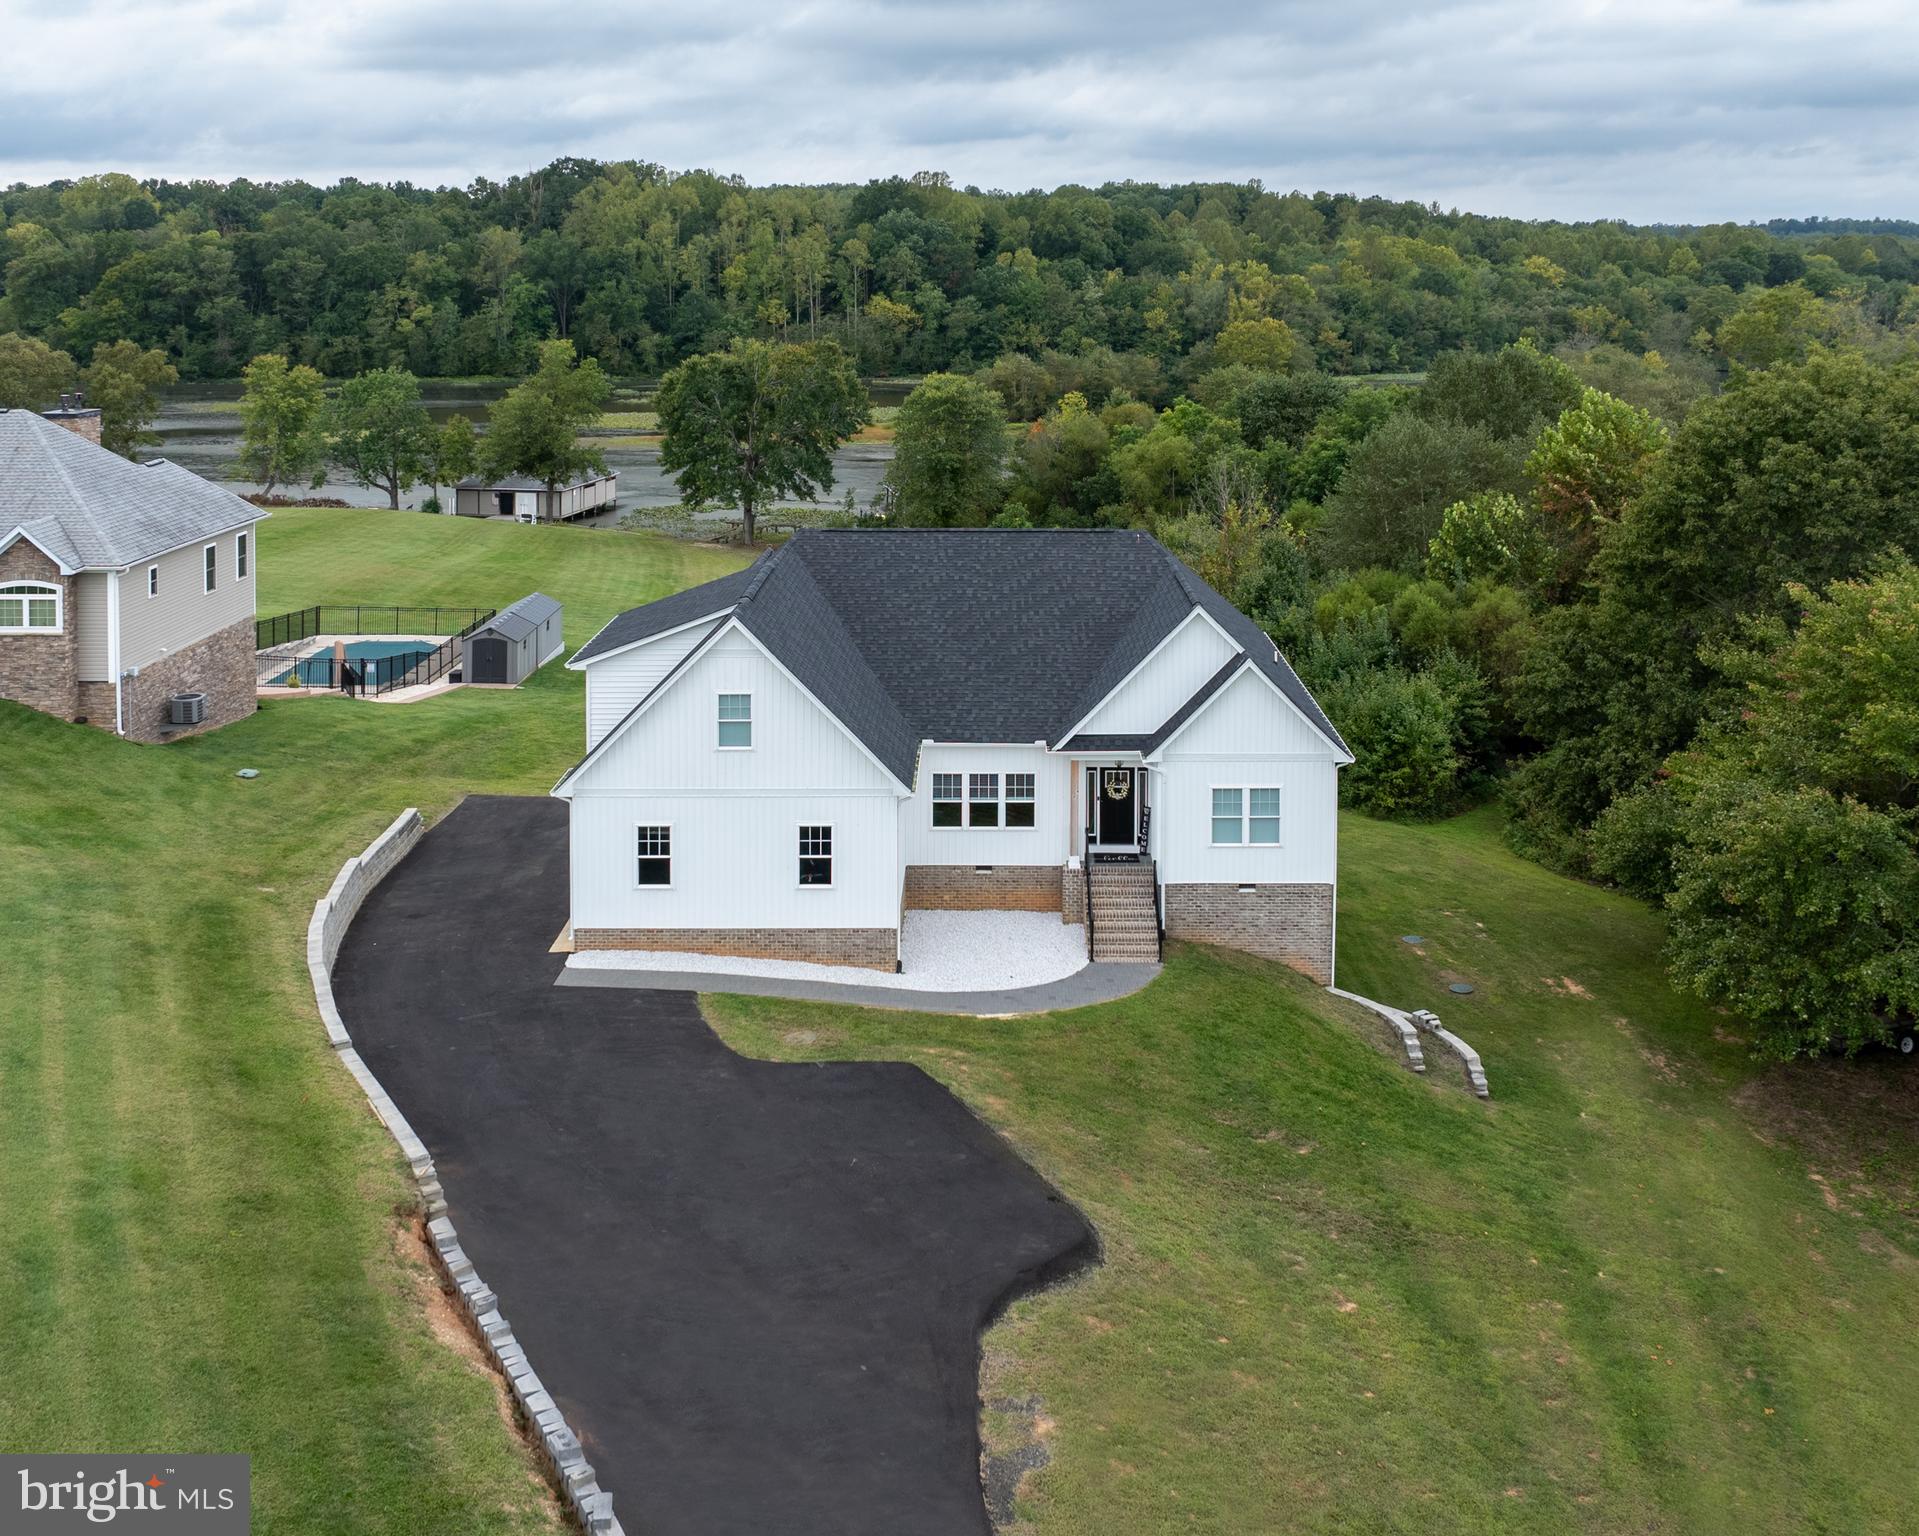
(316, 671)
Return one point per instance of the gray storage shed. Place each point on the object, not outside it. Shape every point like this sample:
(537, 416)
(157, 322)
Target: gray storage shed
(529, 501)
(515, 643)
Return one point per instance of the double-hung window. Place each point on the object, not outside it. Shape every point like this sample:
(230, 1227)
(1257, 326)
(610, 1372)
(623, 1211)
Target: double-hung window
(153, 581)
(655, 850)
(1246, 815)
(736, 721)
(240, 557)
(816, 855)
(29, 606)
(211, 558)
(946, 799)
(982, 800)
(1019, 799)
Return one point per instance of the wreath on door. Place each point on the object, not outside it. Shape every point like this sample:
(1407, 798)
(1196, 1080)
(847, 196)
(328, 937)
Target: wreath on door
(1119, 783)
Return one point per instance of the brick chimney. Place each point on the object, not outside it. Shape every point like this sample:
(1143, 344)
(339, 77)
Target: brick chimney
(77, 416)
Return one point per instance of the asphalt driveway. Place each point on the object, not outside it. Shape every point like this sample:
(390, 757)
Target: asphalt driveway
(755, 1288)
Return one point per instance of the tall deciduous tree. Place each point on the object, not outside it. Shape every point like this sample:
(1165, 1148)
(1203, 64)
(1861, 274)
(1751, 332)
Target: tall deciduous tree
(534, 429)
(282, 422)
(758, 421)
(125, 381)
(1586, 468)
(381, 434)
(949, 453)
(453, 454)
(32, 374)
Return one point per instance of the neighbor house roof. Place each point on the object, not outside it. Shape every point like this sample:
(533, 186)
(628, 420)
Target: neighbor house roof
(91, 510)
(526, 482)
(989, 635)
(518, 620)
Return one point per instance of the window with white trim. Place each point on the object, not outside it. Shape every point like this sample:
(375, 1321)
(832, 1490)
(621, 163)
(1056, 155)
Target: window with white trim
(982, 800)
(736, 721)
(211, 557)
(946, 799)
(1246, 815)
(655, 850)
(816, 855)
(153, 581)
(1019, 799)
(240, 557)
(30, 607)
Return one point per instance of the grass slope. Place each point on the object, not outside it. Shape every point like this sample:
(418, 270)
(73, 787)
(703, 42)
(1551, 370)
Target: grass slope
(199, 1250)
(1338, 1297)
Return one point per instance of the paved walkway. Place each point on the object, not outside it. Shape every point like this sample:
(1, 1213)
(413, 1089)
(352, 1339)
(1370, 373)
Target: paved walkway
(1099, 983)
(755, 1288)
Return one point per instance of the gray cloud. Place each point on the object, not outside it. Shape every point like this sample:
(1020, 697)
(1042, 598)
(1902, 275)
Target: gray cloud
(1642, 109)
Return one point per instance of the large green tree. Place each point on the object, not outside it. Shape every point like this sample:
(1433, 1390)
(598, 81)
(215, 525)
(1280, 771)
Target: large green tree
(1786, 840)
(282, 423)
(758, 421)
(124, 380)
(32, 374)
(949, 453)
(1399, 481)
(380, 432)
(453, 453)
(534, 429)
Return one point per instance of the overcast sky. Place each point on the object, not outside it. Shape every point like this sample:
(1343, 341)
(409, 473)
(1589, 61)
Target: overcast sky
(1680, 110)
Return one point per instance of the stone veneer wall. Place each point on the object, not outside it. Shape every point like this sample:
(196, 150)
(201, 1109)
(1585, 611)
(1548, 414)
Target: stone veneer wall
(559, 1447)
(41, 671)
(875, 949)
(962, 888)
(220, 666)
(1289, 923)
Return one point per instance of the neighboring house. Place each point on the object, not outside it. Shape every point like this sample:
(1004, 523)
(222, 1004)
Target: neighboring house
(781, 761)
(120, 583)
(532, 501)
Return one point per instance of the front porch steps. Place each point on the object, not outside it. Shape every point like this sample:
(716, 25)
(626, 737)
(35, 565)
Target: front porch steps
(1125, 917)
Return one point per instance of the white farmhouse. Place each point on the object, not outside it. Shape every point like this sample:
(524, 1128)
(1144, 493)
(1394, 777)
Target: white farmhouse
(782, 761)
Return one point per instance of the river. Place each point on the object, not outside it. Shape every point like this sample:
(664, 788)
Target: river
(199, 428)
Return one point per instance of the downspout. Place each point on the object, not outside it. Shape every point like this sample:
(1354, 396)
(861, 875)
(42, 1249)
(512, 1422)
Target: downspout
(113, 649)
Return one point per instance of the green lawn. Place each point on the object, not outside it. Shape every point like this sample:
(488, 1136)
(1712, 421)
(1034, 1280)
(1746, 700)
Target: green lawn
(200, 1250)
(1334, 1297)
(1340, 1298)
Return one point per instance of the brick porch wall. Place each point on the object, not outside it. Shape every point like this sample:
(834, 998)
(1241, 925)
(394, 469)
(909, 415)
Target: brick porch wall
(220, 666)
(1289, 923)
(40, 671)
(1072, 895)
(962, 888)
(874, 949)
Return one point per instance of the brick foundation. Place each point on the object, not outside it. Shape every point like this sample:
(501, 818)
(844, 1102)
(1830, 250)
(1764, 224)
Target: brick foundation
(1289, 923)
(220, 666)
(962, 888)
(1072, 895)
(875, 949)
(40, 671)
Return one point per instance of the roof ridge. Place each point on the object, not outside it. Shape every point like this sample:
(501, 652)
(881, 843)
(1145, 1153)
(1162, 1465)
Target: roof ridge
(766, 564)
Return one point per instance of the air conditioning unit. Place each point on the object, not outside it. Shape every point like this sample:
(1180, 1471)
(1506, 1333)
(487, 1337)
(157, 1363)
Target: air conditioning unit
(187, 708)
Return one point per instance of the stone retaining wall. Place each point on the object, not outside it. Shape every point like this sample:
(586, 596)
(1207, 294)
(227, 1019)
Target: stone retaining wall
(1000, 888)
(1289, 923)
(873, 949)
(559, 1447)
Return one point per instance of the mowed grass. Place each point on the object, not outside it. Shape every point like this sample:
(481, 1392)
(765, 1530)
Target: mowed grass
(202, 1247)
(1649, 1287)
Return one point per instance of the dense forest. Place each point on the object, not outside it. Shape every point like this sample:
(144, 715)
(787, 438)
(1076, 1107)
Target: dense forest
(642, 268)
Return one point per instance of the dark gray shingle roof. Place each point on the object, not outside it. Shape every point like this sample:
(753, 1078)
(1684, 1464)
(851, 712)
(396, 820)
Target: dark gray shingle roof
(1001, 635)
(518, 620)
(91, 509)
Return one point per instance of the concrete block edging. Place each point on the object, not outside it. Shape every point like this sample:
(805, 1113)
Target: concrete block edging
(559, 1447)
(1409, 1027)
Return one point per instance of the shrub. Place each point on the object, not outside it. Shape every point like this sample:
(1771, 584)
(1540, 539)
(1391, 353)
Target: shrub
(1400, 727)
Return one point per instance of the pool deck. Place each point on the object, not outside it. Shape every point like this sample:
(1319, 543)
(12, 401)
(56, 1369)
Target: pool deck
(322, 645)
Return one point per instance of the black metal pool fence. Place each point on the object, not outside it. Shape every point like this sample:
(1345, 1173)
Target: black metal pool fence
(362, 619)
(375, 674)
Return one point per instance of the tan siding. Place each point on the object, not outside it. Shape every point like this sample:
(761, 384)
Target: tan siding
(90, 627)
(183, 613)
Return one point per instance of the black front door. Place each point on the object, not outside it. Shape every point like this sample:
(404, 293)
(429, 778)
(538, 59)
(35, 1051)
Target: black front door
(1115, 786)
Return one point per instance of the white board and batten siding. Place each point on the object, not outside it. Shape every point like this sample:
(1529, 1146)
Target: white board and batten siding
(1045, 842)
(1248, 737)
(615, 683)
(1163, 682)
(735, 814)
